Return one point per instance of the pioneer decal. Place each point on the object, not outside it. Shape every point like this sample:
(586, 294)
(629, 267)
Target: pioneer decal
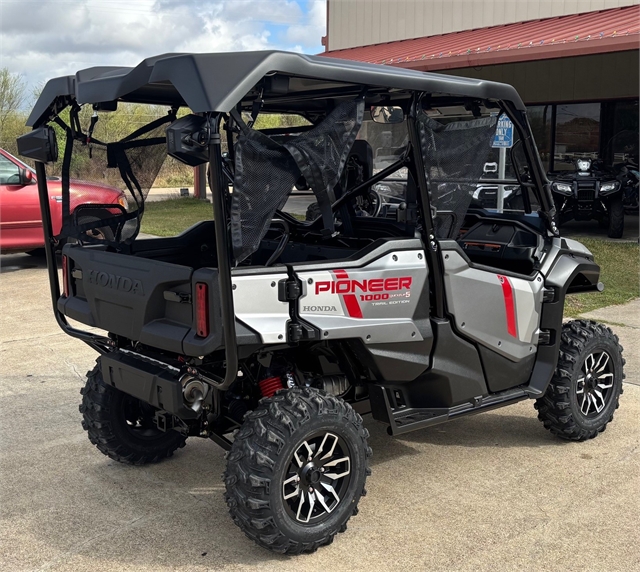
(346, 286)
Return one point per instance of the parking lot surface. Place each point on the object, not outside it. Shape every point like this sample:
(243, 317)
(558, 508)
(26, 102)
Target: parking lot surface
(489, 492)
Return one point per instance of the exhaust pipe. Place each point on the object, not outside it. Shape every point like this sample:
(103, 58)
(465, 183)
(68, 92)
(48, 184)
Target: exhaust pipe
(194, 392)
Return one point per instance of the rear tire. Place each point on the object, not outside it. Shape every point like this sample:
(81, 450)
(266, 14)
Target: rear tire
(121, 426)
(616, 218)
(313, 212)
(296, 470)
(585, 389)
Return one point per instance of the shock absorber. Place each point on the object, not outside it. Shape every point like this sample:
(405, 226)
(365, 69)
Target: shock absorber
(269, 385)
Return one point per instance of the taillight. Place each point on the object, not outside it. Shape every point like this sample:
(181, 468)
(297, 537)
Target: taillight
(65, 275)
(202, 309)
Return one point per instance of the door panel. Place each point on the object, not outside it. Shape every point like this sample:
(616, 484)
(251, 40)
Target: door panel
(20, 220)
(377, 302)
(497, 311)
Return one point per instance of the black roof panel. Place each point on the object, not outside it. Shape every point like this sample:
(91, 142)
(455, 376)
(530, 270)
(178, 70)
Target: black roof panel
(217, 82)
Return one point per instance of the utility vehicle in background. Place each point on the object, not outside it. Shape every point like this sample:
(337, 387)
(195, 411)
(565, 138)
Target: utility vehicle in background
(590, 192)
(271, 336)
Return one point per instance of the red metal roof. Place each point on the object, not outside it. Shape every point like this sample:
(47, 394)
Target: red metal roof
(614, 30)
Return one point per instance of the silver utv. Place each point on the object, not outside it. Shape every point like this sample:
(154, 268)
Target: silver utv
(272, 336)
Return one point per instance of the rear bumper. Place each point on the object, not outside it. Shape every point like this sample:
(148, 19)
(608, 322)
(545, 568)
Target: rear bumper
(150, 382)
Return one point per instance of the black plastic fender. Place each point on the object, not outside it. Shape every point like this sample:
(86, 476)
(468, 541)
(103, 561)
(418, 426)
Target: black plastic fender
(571, 272)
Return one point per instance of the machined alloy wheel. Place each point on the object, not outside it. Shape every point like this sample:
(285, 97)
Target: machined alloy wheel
(593, 388)
(296, 470)
(584, 391)
(320, 473)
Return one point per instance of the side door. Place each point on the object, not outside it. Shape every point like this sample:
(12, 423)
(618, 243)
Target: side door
(20, 220)
(488, 249)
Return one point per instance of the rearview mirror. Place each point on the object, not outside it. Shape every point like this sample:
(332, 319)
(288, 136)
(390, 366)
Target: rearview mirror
(387, 114)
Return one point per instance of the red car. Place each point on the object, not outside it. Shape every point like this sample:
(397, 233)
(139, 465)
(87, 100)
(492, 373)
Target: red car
(20, 220)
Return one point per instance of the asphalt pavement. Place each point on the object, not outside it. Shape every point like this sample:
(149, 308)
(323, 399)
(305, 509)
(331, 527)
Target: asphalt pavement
(489, 492)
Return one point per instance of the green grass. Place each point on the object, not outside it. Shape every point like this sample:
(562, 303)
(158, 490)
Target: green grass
(619, 261)
(619, 271)
(171, 217)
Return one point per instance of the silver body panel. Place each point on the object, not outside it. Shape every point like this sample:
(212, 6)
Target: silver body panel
(375, 302)
(500, 312)
(255, 299)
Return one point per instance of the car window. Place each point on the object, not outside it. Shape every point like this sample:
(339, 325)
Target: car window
(9, 172)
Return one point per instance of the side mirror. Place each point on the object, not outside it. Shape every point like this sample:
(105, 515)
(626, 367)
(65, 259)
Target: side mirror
(39, 145)
(387, 114)
(26, 177)
(184, 140)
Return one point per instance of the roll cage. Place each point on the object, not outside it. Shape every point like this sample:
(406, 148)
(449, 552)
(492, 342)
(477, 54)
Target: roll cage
(220, 87)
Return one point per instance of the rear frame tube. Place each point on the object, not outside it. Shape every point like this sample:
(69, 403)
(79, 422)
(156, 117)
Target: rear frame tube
(99, 343)
(223, 252)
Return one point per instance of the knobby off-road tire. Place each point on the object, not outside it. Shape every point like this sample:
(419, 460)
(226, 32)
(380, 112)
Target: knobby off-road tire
(295, 441)
(313, 212)
(616, 219)
(121, 426)
(584, 391)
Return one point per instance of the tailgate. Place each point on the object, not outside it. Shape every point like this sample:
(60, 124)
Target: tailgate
(140, 299)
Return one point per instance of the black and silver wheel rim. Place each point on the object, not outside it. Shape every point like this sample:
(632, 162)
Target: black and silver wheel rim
(139, 418)
(317, 478)
(594, 386)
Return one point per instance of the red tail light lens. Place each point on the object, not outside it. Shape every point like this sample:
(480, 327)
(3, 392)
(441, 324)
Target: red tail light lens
(65, 276)
(202, 309)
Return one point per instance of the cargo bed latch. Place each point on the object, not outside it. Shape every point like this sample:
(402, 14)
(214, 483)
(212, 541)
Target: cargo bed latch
(180, 297)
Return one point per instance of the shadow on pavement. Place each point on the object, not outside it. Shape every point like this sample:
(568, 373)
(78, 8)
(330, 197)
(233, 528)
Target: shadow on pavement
(21, 261)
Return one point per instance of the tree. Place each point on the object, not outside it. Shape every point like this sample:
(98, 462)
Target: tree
(12, 95)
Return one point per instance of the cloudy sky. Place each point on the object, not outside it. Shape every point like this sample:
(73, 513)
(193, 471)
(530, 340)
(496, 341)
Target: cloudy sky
(41, 39)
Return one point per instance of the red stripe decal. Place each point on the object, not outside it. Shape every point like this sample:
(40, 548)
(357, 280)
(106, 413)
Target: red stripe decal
(509, 305)
(350, 300)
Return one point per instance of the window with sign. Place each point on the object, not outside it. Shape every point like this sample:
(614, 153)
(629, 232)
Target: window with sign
(474, 160)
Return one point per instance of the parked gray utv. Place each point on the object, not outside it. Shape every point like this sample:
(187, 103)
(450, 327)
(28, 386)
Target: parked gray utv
(272, 336)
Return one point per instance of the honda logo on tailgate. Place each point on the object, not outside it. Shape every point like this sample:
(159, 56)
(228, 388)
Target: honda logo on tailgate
(115, 282)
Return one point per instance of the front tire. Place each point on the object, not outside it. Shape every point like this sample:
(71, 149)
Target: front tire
(121, 426)
(585, 389)
(616, 218)
(296, 470)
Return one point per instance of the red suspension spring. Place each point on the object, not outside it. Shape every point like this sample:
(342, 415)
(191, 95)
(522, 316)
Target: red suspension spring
(270, 385)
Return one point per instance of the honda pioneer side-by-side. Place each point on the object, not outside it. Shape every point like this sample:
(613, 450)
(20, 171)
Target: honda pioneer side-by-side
(271, 335)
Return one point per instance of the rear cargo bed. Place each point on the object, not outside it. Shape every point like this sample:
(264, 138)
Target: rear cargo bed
(141, 299)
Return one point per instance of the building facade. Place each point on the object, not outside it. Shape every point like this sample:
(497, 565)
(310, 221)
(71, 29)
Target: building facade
(575, 63)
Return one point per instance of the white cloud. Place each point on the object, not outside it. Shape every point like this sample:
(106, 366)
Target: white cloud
(47, 38)
(306, 32)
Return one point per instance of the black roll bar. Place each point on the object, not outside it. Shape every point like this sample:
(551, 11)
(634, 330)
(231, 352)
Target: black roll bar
(418, 171)
(358, 189)
(223, 251)
(99, 343)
